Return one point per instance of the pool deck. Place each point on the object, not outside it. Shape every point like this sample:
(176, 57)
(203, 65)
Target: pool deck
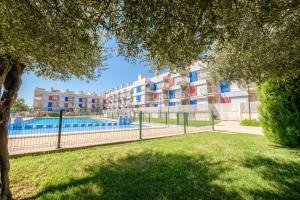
(23, 145)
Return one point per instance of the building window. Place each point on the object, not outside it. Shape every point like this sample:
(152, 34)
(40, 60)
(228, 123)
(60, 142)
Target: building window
(193, 91)
(138, 98)
(171, 82)
(171, 103)
(225, 86)
(93, 100)
(193, 102)
(171, 94)
(80, 99)
(225, 100)
(80, 105)
(49, 104)
(50, 98)
(138, 89)
(154, 86)
(193, 76)
(66, 98)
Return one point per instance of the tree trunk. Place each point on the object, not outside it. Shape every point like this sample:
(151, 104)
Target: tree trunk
(11, 82)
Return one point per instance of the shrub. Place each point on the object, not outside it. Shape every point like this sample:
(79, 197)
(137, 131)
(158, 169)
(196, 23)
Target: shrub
(280, 110)
(250, 122)
(53, 114)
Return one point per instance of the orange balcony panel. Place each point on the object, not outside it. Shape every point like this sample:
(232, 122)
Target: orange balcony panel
(193, 91)
(225, 100)
(171, 82)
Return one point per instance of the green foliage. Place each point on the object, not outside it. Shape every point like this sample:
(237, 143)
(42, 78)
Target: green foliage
(191, 122)
(168, 33)
(52, 114)
(57, 39)
(262, 43)
(20, 105)
(245, 40)
(280, 110)
(249, 122)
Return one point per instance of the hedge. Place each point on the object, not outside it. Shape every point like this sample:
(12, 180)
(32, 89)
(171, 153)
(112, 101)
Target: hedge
(280, 110)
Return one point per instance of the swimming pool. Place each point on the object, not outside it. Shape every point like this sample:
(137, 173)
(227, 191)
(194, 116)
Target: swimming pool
(38, 126)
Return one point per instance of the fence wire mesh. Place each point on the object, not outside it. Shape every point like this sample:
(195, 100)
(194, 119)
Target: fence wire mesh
(45, 131)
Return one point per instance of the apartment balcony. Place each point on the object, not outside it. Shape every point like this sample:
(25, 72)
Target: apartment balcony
(165, 87)
(184, 84)
(184, 72)
(185, 101)
(166, 79)
(185, 96)
(212, 90)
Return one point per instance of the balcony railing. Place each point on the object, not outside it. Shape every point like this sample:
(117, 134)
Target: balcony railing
(184, 83)
(212, 90)
(166, 78)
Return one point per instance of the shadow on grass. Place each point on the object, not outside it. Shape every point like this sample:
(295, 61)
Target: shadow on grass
(146, 175)
(282, 175)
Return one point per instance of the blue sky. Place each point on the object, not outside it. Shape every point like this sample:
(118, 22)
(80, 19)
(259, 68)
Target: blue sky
(119, 71)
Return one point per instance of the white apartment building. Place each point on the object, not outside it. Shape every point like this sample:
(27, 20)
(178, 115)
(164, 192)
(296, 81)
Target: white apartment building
(184, 88)
(54, 100)
(119, 98)
(167, 89)
(142, 92)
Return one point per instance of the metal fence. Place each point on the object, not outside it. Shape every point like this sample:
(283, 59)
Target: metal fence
(45, 131)
(235, 111)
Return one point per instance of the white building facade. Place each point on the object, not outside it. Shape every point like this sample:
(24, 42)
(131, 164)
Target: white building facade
(172, 89)
(190, 87)
(54, 100)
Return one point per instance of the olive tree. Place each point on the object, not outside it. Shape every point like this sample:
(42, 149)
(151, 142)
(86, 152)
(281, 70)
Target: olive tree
(56, 39)
(241, 39)
(263, 44)
(20, 105)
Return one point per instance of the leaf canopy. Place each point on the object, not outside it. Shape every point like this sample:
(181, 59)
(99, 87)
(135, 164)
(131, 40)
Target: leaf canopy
(242, 40)
(52, 38)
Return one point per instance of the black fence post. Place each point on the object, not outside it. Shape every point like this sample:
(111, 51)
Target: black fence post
(166, 118)
(187, 119)
(212, 120)
(177, 117)
(184, 122)
(59, 128)
(149, 117)
(140, 123)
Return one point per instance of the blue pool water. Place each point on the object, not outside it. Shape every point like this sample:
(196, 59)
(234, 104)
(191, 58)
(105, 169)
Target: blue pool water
(41, 126)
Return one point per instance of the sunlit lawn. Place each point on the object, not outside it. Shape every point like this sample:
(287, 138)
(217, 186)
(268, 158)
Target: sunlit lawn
(196, 166)
(191, 122)
(249, 122)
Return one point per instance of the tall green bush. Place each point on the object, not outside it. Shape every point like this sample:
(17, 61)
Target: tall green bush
(280, 110)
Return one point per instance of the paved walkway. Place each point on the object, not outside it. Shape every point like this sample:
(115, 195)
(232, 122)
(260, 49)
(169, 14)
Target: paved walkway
(234, 126)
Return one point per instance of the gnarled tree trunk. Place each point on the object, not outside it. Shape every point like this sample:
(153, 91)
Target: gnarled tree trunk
(10, 79)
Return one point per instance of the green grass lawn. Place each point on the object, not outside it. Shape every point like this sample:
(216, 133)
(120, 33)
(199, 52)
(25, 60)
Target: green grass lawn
(196, 166)
(191, 122)
(249, 122)
(162, 120)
